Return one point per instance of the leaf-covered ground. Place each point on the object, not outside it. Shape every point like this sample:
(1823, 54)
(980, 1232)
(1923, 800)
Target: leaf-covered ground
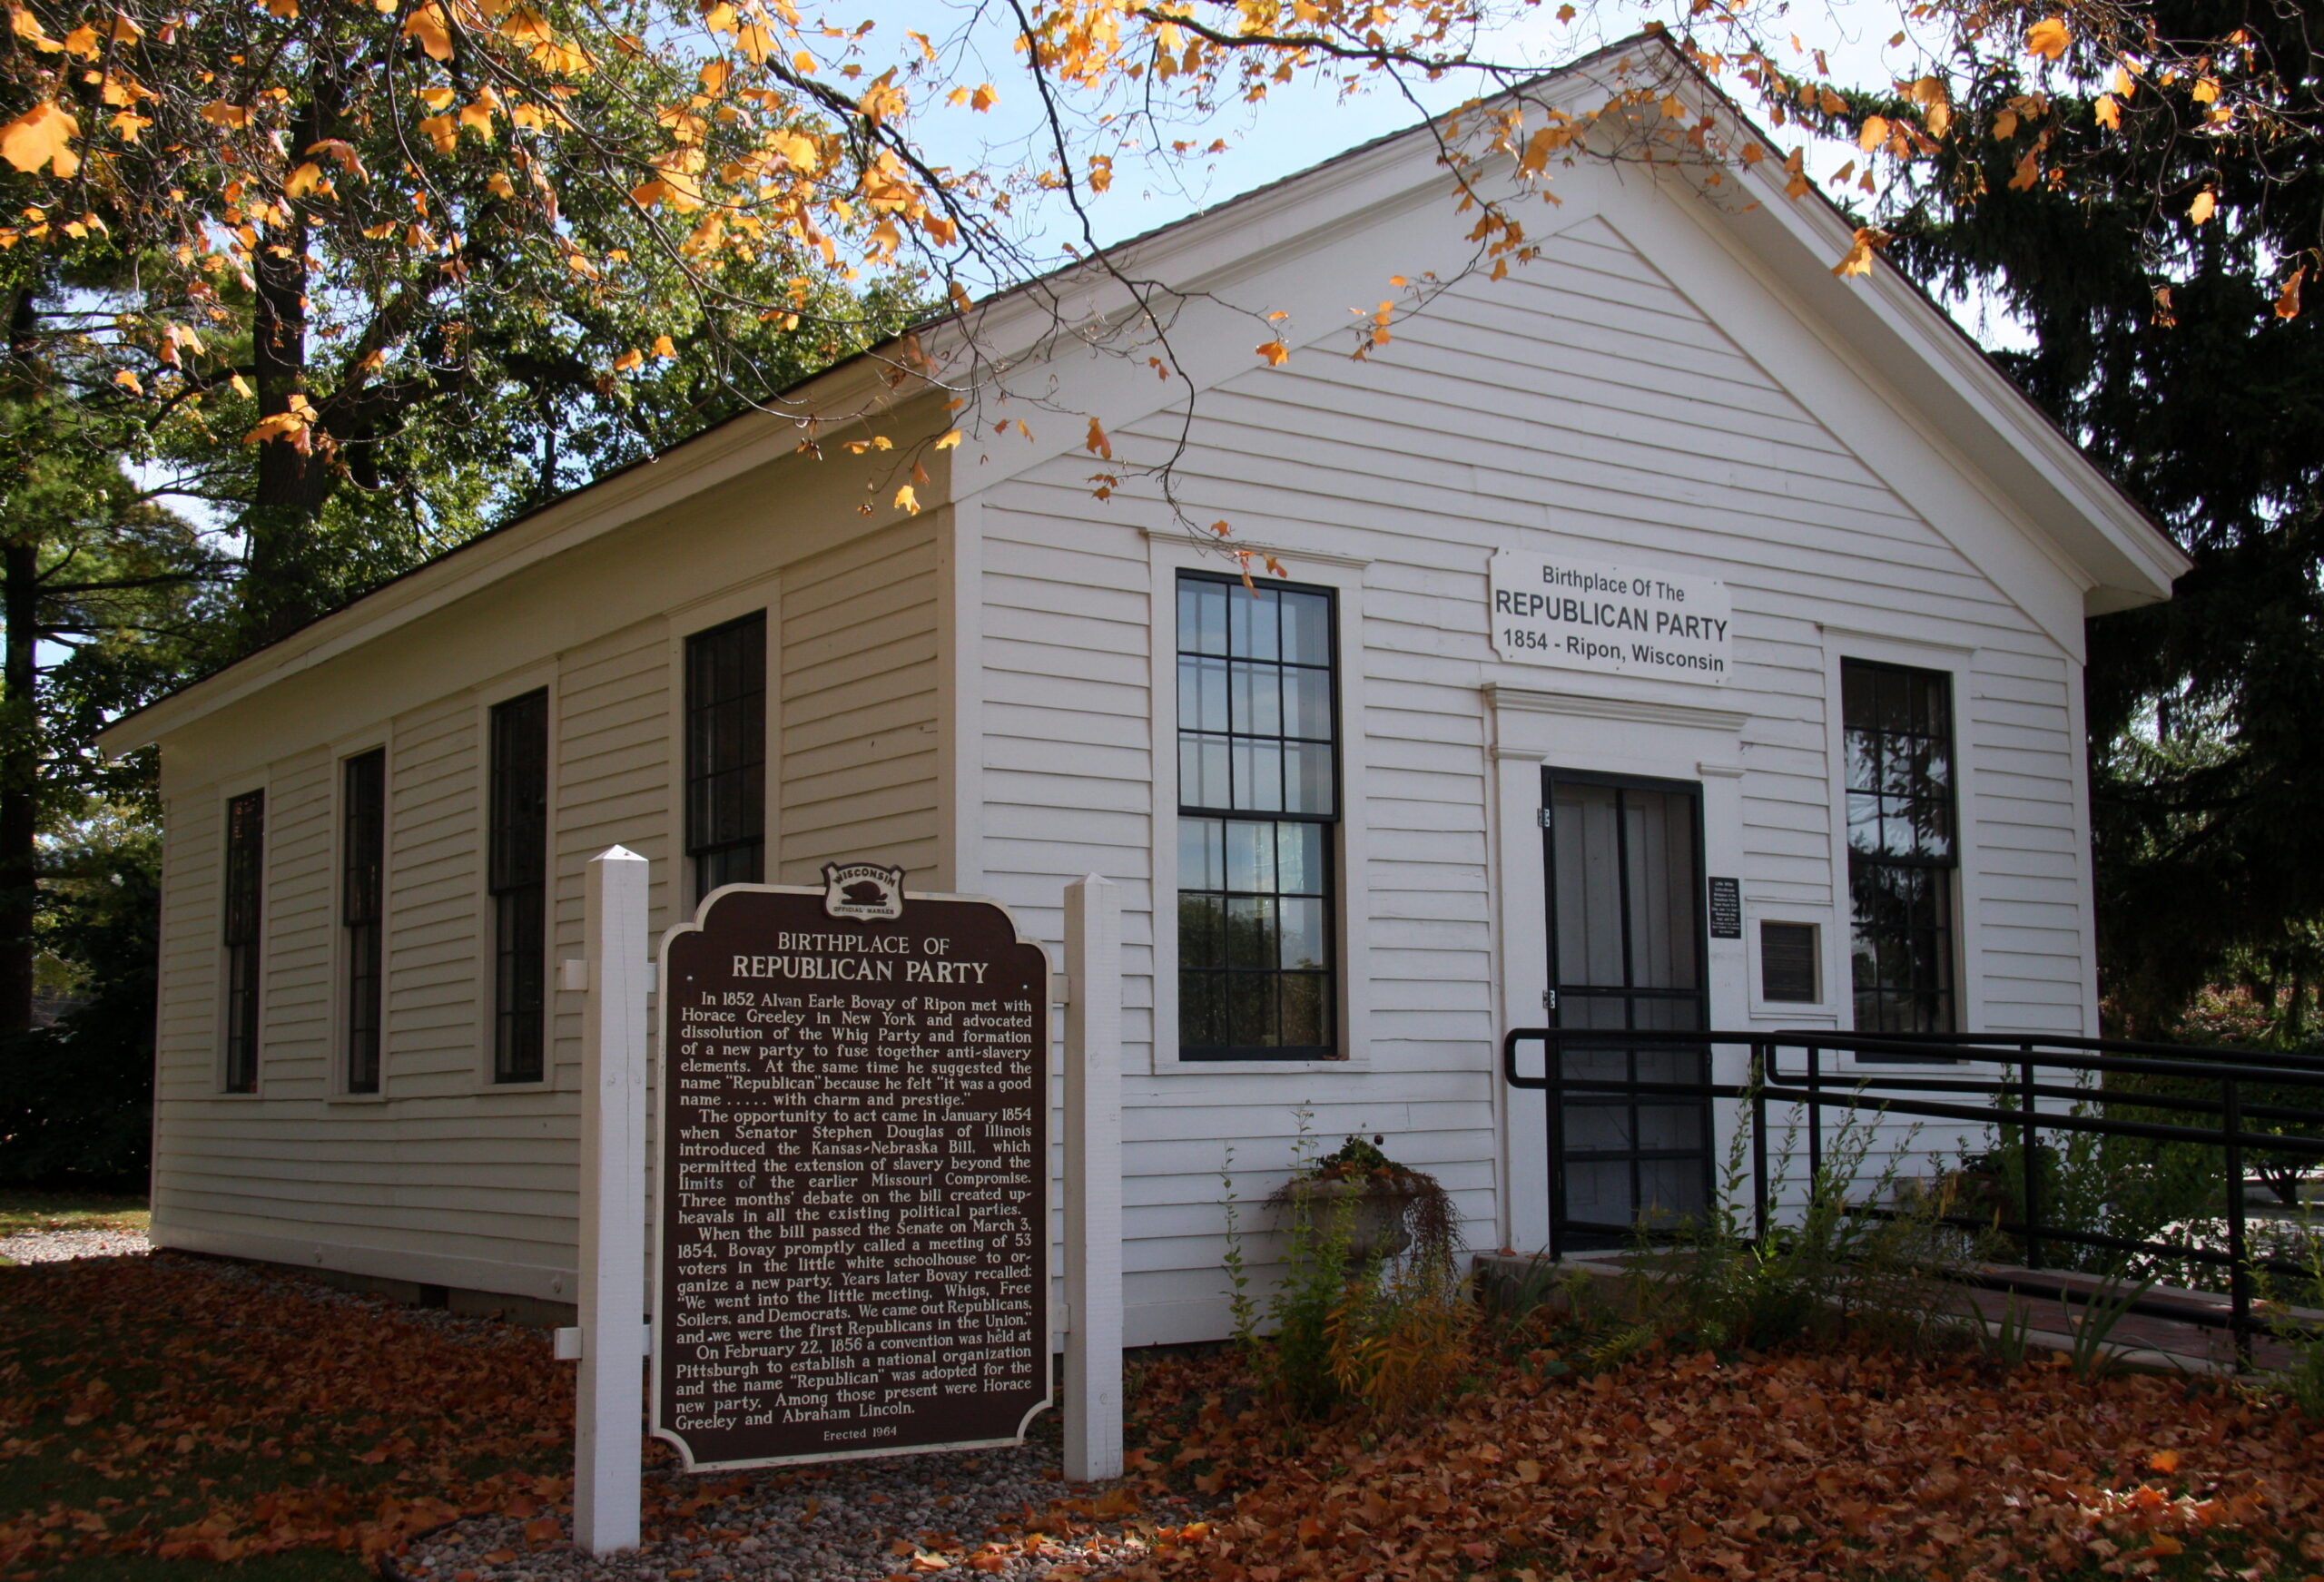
(171, 1410)
(1838, 1467)
(167, 1420)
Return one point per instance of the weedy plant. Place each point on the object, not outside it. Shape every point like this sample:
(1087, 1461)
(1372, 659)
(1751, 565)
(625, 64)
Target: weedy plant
(2303, 1379)
(1863, 1258)
(2009, 1338)
(2094, 1326)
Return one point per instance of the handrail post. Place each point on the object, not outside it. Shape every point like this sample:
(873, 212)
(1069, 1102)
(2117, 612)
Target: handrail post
(1759, 1139)
(2239, 1249)
(1553, 1135)
(1815, 1121)
(2031, 1144)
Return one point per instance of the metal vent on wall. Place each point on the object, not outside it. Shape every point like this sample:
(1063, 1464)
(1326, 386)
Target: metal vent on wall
(1787, 962)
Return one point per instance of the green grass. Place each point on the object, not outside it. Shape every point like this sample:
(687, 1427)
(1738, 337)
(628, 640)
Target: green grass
(22, 1211)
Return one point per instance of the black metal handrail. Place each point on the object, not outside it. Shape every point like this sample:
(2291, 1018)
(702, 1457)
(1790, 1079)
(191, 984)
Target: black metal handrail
(2015, 1065)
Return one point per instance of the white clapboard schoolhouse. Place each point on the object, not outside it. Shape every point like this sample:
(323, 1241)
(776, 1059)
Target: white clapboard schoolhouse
(1671, 607)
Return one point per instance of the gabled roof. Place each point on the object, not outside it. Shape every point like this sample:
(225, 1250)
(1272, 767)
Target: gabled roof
(2120, 556)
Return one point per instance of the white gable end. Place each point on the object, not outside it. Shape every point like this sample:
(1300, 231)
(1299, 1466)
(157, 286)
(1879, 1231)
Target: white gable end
(1636, 395)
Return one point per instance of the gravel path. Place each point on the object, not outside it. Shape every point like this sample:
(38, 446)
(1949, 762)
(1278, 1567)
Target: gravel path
(1001, 1514)
(55, 1246)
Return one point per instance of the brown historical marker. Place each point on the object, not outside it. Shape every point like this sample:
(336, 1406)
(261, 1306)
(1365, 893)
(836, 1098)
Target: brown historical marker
(853, 1248)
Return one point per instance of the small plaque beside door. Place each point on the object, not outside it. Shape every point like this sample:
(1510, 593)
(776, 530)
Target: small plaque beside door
(1726, 908)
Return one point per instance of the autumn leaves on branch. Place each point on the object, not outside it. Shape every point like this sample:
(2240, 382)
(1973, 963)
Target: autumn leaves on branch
(341, 162)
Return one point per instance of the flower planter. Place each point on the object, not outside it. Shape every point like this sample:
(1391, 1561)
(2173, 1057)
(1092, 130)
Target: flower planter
(1370, 1214)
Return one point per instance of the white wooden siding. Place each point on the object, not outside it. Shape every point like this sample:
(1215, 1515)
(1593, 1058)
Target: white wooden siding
(860, 704)
(447, 1178)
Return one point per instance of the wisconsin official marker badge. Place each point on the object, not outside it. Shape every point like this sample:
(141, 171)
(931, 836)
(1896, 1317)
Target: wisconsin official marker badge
(864, 891)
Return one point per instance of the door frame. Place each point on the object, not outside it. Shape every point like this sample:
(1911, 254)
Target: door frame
(1677, 732)
(1698, 897)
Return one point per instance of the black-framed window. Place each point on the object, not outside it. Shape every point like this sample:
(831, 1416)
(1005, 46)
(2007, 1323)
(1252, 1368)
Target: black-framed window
(726, 753)
(519, 880)
(1258, 795)
(1902, 848)
(245, 887)
(362, 884)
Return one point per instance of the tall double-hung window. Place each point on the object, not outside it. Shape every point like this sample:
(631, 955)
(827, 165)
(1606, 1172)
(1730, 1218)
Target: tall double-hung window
(363, 842)
(517, 860)
(245, 886)
(1903, 852)
(1258, 797)
(726, 753)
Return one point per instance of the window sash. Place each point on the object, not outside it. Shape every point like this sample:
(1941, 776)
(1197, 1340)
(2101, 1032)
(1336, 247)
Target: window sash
(518, 884)
(726, 799)
(245, 874)
(362, 908)
(1903, 847)
(1258, 801)
(519, 794)
(518, 1053)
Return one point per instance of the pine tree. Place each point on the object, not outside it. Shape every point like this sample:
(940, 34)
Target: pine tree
(2157, 255)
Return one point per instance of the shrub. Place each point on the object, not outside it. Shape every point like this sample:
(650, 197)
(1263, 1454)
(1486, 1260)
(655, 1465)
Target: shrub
(76, 1098)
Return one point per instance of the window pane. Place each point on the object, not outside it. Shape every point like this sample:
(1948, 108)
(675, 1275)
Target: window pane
(1251, 1010)
(1202, 616)
(1308, 777)
(1863, 749)
(1258, 776)
(1306, 1010)
(1251, 933)
(1202, 693)
(1306, 628)
(1307, 703)
(1252, 624)
(1299, 858)
(1201, 863)
(1303, 934)
(1202, 1010)
(1203, 777)
(1258, 699)
(1250, 857)
(1202, 931)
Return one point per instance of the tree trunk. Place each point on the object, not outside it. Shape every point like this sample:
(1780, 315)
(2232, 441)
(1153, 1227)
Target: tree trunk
(20, 600)
(284, 586)
(19, 781)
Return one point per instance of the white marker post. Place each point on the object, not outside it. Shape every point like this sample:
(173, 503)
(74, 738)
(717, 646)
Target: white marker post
(609, 1397)
(1093, 1180)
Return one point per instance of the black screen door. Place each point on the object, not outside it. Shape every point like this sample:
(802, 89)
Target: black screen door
(1626, 952)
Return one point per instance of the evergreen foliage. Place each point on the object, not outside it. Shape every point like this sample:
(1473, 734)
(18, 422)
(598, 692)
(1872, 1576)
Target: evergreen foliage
(2167, 342)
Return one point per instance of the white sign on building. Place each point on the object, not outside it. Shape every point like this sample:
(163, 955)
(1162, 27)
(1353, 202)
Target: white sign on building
(1618, 620)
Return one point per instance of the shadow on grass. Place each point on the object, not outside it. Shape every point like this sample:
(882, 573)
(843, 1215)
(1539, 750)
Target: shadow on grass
(23, 1210)
(296, 1566)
